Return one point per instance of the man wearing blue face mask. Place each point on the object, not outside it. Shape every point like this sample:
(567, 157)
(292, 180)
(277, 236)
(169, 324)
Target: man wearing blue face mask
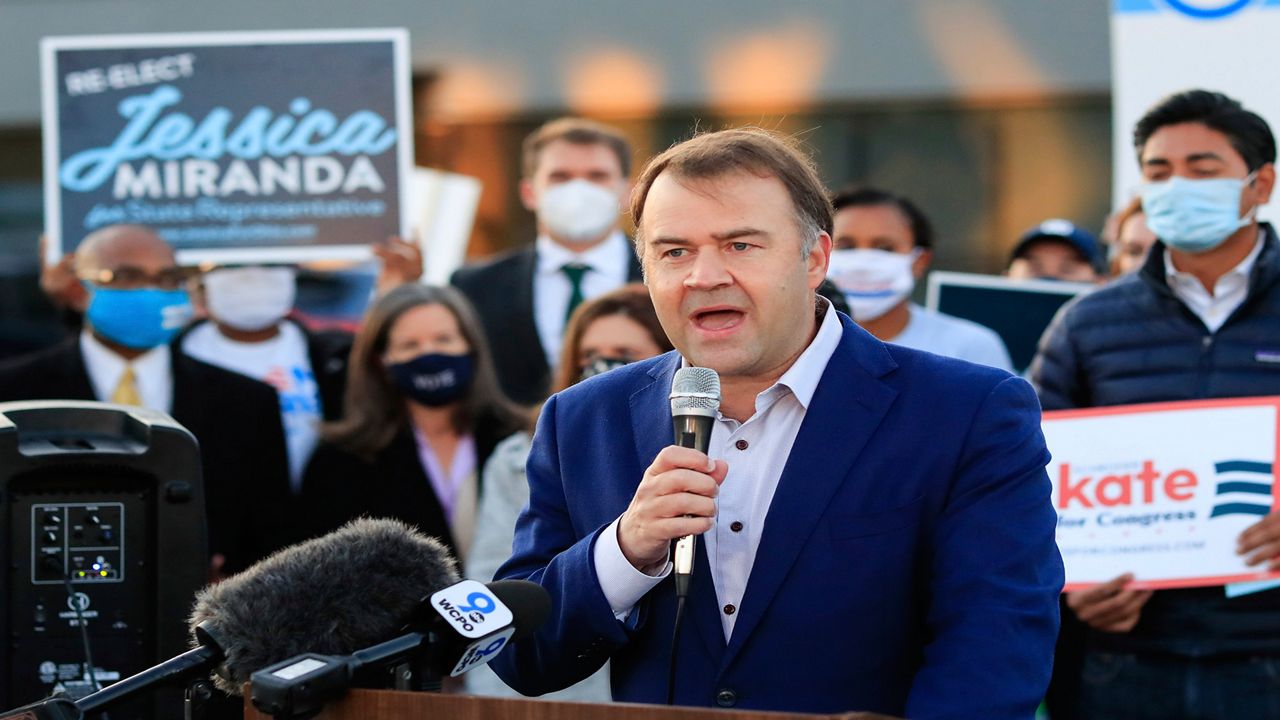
(137, 303)
(1200, 319)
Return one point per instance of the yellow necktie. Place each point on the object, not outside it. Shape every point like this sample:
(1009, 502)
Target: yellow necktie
(126, 392)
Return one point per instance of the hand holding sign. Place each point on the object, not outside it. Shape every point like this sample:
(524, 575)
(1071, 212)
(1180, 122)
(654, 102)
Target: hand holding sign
(58, 280)
(1109, 607)
(401, 263)
(1260, 542)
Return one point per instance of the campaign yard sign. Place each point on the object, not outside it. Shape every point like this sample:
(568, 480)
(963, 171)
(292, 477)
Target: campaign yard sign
(1162, 490)
(235, 147)
(1018, 310)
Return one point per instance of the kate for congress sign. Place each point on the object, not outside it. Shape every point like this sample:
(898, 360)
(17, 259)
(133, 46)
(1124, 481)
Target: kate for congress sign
(1162, 490)
(236, 147)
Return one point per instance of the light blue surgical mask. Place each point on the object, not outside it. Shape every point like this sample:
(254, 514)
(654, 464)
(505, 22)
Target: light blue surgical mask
(1195, 216)
(138, 318)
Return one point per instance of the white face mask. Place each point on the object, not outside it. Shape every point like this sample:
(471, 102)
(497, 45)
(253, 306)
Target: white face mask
(873, 281)
(250, 298)
(578, 211)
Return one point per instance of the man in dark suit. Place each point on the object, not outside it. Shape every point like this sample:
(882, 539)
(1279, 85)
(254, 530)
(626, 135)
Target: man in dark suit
(136, 303)
(875, 528)
(575, 175)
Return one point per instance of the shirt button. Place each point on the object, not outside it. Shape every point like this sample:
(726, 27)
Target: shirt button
(726, 698)
(735, 526)
(741, 444)
(730, 609)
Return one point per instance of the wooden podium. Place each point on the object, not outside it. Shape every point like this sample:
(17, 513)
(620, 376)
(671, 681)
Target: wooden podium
(395, 705)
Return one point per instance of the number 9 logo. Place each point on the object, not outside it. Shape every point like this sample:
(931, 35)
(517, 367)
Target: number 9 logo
(479, 602)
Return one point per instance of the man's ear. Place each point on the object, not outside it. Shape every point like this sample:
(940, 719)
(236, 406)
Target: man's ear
(818, 259)
(528, 197)
(1263, 183)
(922, 263)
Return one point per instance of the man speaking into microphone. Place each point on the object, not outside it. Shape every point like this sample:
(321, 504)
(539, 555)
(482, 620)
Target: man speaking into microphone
(874, 529)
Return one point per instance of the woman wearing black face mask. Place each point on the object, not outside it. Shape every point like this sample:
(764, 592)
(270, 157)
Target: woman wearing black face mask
(606, 332)
(423, 412)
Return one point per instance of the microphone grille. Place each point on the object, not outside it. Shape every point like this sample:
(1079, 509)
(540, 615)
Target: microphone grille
(695, 388)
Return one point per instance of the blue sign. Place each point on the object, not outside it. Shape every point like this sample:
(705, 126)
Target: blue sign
(235, 147)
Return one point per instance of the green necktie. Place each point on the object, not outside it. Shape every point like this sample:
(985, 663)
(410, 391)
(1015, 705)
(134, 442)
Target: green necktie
(574, 271)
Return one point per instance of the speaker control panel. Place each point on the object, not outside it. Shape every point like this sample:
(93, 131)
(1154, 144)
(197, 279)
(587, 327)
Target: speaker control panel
(80, 541)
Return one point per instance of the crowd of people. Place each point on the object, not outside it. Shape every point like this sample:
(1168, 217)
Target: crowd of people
(428, 413)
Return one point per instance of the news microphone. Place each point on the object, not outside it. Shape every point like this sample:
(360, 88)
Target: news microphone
(333, 595)
(337, 593)
(695, 400)
(465, 626)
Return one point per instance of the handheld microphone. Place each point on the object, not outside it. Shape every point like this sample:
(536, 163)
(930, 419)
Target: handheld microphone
(695, 399)
(466, 626)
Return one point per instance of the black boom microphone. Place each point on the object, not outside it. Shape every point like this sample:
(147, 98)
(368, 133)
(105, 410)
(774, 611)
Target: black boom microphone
(462, 627)
(334, 594)
(695, 400)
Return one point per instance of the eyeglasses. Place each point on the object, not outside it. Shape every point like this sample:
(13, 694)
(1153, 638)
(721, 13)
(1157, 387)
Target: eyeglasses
(128, 277)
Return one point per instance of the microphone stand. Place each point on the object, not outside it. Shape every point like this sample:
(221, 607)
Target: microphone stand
(195, 661)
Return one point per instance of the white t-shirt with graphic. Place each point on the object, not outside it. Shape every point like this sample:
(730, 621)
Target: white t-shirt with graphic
(281, 362)
(955, 337)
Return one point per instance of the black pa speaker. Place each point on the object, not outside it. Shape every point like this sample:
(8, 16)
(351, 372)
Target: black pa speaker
(102, 521)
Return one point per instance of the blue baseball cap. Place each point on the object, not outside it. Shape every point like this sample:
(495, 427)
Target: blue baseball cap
(1064, 231)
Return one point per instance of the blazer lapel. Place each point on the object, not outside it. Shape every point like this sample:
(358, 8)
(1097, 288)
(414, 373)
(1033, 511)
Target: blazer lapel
(651, 418)
(186, 407)
(849, 404)
(523, 325)
(78, 384)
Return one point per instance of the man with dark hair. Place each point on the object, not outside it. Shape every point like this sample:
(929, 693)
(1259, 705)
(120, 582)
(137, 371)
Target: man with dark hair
(883, 245)
(1199, 320)
(575, 174)
(850, 556)
(1055, 249)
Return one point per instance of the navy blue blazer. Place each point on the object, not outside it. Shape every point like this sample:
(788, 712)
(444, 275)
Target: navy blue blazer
(907, 564)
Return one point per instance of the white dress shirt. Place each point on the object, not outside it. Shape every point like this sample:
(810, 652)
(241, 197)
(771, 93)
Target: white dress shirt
(608, 263)
(152, 371)
(1228, 292)
(756, 452)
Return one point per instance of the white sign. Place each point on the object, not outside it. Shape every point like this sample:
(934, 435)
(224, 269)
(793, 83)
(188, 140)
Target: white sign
(442, 211)
(1163, 490)
(1160, 47)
